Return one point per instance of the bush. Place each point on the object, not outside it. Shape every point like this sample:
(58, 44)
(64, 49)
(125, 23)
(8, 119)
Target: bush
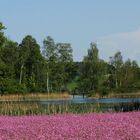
(103, 91)
(126, 89)
(12, 86)
(21, 88)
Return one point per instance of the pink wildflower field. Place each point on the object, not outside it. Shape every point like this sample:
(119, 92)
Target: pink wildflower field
(102, 126)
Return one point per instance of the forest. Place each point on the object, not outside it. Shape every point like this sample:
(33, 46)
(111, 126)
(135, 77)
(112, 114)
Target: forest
(29, 67)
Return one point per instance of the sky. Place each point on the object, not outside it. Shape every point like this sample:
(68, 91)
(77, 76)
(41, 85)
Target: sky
(113, 24)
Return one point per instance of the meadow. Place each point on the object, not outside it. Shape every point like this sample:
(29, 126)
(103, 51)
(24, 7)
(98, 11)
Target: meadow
(93, 126)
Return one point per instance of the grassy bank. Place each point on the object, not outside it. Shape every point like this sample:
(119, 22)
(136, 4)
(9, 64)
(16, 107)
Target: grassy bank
(123, 95)
(65, 95)
(117, 95)
(34, 96)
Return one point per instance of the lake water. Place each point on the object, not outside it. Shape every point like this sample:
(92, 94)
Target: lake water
(79, 100)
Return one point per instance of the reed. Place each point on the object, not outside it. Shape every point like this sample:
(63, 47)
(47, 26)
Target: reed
(29, 108)
(123, 95)
(34, 96)
(18, 108)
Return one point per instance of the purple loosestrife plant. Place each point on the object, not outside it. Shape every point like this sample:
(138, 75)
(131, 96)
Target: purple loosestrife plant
(102, 126)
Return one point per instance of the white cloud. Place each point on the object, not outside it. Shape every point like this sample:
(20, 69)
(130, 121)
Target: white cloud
(128, 43)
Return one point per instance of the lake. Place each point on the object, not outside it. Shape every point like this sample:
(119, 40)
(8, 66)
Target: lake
(80, 100)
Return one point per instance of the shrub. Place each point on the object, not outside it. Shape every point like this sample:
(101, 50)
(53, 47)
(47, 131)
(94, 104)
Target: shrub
(103, 91)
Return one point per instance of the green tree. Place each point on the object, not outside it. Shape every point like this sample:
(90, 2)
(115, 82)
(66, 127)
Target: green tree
(93, 71)
(59, 64)
(2, 37)
(129, 76)
(65, 63)
(50, 53)
(117, 61)
(9, 57)
(30, 60)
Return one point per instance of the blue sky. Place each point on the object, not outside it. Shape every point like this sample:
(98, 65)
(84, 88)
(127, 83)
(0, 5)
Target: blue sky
(113, 24)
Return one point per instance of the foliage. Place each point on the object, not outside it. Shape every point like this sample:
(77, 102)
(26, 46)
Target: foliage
(93, 71)
(59, 65)
(25, 68)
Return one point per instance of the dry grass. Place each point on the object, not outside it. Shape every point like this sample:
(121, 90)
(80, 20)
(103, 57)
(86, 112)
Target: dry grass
(123, 95)
(34, 96)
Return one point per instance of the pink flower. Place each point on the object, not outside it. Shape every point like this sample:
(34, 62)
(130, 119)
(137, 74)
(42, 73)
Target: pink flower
(102, 126)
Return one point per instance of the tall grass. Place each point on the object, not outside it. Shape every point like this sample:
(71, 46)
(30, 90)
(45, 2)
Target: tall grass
(34, 96)
(30, 108)
(123, 95)
(19, 108)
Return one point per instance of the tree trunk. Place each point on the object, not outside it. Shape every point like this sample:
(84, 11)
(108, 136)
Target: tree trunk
(120, 83)
(116, 83)
(48, 91)
(21, 73)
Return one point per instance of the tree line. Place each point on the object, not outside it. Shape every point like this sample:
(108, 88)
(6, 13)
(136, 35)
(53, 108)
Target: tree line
(117, 75)
(27, 67)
